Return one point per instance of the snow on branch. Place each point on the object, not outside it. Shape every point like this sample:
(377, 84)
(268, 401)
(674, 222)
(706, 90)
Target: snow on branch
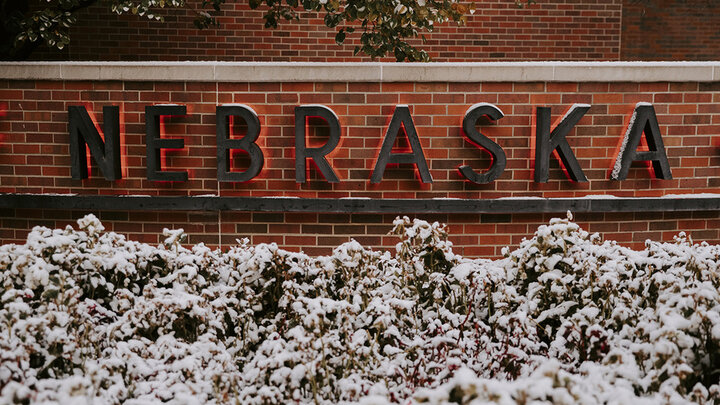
(91, 317)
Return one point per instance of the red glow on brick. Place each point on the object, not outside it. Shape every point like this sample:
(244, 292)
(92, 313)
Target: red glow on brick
(316, 170)
(238, 155)
(562, 167)
(123, 145)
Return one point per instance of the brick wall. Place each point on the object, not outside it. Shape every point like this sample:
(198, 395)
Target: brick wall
(670, 30)
(549, 30)
(34, 157)
(473, 235)
(499, 30)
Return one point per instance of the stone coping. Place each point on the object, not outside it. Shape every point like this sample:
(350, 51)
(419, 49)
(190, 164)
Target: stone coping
(365, 72)
(688, 202)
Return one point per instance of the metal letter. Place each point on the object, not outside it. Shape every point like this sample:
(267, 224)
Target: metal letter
(154, 143)
(401, 118)
(83, 131)
(643, 121)
(498, 154)
(302, 152)
(247, 143)
(546, 142)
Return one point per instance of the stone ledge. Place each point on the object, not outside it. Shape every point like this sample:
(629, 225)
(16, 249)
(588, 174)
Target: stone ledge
(688, 202)
(365, 72)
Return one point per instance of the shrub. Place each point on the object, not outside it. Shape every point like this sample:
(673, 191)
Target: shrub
(565, 318)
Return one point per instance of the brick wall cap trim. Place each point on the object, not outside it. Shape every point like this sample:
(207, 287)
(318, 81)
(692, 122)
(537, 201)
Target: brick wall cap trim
(688, 202)
(365, 72)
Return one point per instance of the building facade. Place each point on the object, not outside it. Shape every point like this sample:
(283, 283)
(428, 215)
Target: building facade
(555, 30)
(313, 152)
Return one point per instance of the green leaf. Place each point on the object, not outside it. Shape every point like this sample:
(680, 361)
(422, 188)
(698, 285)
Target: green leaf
(50, 294)
(340, 37)
(399, 55)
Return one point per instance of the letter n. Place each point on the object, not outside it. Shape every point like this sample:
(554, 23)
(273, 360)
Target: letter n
(105, 153)
(643, 121)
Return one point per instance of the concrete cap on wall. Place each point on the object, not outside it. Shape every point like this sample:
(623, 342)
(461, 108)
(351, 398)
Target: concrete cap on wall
(365, 72)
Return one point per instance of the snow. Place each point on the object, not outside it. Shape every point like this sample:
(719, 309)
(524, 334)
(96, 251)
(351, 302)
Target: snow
(597, 197)
(476, 105)
(691, 195)
(572, 109)
(521, 198)
(91, 317)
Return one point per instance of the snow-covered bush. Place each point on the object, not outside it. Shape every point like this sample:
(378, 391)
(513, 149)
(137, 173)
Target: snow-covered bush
(90, 317)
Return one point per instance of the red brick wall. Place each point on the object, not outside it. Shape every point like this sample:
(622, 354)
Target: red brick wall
(473, 235)
(499, 30)
(670, 30)
(34, 157)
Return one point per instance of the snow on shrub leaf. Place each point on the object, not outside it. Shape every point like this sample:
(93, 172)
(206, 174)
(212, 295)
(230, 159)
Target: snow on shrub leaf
(89, 316)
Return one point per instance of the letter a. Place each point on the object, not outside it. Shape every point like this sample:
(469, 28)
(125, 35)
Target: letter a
(401, 118)
(643, 121)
